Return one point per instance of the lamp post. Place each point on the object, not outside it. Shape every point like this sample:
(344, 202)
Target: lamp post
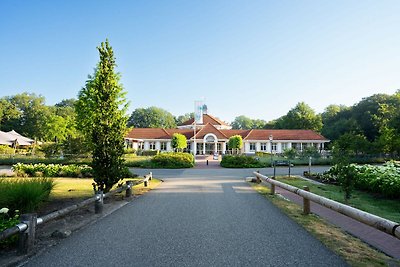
(270, 141)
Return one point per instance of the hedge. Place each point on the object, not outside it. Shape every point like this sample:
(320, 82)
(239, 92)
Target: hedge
(241, 161)
(172, 160)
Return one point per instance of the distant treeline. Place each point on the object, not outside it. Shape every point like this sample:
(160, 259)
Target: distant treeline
(370, 126)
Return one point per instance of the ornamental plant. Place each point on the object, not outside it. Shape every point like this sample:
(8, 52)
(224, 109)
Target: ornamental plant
(8, 221)
(384, 179)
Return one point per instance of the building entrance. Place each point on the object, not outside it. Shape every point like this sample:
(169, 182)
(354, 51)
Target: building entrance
(210, 148)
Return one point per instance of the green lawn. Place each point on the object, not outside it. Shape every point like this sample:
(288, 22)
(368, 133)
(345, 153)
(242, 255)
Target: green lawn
(383, 207)
(82, 187)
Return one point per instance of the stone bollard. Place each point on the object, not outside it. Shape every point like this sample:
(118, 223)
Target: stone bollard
(98, 204)
(128, 192)
(306, 202)
(27, 238)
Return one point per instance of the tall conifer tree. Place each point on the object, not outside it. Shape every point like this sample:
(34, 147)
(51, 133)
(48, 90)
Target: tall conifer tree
(101, 116)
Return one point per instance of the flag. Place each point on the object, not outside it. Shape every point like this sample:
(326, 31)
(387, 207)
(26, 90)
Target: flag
(198, 112)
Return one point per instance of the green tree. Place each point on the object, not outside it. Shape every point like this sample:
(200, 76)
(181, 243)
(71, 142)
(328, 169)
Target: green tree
(302, 116)
(8, 111)
(178, 142)
(101, 109)
(245, 123)
(183, 118)
(152, 117)
(235, 143)
(242, 122)
(32, 115)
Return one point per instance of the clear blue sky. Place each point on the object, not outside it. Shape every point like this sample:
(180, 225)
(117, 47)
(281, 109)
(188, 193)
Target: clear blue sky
(257, 58)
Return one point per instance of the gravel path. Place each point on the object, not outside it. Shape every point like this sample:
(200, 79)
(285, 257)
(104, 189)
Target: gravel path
(193, 219)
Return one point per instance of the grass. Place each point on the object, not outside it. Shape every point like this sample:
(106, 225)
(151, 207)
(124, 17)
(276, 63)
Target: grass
(375, 204)
(351, 249)
(82, 188)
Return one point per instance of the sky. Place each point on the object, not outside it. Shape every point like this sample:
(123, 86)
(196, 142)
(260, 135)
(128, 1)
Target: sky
(253, 58)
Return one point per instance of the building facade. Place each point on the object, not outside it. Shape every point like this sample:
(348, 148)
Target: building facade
(212, 136)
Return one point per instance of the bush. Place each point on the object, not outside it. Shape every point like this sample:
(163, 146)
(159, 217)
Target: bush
(24, 195)
(6, 150)
(51, 149)
(384, 180)
(149, 152)
(130, 151)
(240, 161)
(52, 170)
(7, 220)
(173, 160)
(262, 154)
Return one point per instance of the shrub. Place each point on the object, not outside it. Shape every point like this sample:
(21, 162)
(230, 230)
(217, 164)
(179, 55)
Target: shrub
(51, 149)
(240, 161)
(25, 195)
(384, 179)
(52, 170)
(149, 152)
(7, 220)
(262, 154)
(6, 150)
(173, 160)
(130, 151)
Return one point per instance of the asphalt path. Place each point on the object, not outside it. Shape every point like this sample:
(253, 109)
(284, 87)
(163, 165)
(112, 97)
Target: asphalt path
(195, 218)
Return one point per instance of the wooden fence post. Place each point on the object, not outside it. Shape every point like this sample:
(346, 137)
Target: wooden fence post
(258, 178)
(128, 192)
(98, 204)
(306, 202)
(27, 238)
(289, 167)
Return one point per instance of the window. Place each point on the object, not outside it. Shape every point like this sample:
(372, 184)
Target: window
(252, 146)
(273, 147)
(141, 145)
(263, 146)
(152, 145)
(284, 146)
(163, 146)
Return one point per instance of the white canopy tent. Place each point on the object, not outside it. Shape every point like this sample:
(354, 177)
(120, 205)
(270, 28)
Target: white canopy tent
(12, 138)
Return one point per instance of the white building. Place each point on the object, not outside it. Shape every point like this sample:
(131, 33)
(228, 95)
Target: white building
(212, 137)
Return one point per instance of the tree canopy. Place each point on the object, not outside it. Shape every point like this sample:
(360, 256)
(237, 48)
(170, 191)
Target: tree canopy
(245, 123)
(178, 141)
(101, 109)
(302, 116)
(152, 117)
(183, 118)
(235, 142)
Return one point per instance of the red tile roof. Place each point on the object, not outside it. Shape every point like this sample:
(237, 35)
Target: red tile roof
(284, 135)
(206, 119)
(255, 134)
(209, 128)
(148, 133)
